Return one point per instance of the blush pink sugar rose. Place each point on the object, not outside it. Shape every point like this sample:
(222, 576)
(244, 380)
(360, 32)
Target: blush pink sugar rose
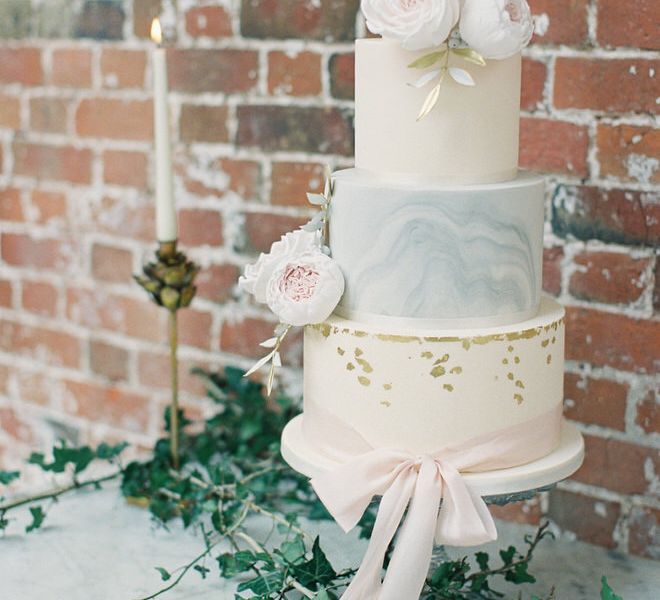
(417, 24)
(496, 29)
(256, 276)
(305, 290)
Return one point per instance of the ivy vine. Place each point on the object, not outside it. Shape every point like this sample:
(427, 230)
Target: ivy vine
(231, 470)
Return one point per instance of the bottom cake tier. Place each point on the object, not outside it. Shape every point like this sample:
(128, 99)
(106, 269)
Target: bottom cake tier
(422, 390)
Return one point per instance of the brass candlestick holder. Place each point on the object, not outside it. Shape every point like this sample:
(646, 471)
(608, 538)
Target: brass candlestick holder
(170, 283)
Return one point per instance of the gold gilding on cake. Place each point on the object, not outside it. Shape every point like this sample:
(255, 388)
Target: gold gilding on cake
(399, 339)
(427, 355)
(505, 361)
(520, 384)
(350, 366)
(544, 343)
(456, 370)
(387, 387)
(340, 351)
(549, 359)
(438, 371)
(516, 359)
(518, 398)
(326, 330)
(366, 367)
(448, 387)
(359, 352)
(365, 381)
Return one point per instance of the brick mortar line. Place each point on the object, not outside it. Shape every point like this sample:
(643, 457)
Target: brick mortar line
(600, 493)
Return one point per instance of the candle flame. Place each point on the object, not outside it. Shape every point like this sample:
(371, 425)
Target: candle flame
(156, 31)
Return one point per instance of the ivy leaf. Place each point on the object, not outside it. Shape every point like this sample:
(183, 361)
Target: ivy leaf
(322, 595)
(6, 477)
(461, 76)
(38, 516)
(203, 571)
(316, 570)
(507, 555)
(263, 584)
(428, 60)
(234, 564)
(520, 575)
(470, 55)
(482, 559)
(293, 551)
(606, 592)
(107, 452)
(164, 573)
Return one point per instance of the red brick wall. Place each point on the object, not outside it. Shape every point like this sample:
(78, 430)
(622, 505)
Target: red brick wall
(262, 97)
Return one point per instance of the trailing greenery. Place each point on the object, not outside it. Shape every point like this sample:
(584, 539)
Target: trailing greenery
(231, 470)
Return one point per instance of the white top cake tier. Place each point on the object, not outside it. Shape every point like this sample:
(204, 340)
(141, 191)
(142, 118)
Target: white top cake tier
(470, 137)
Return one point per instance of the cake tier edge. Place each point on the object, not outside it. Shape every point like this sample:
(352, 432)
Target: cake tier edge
(419, 391)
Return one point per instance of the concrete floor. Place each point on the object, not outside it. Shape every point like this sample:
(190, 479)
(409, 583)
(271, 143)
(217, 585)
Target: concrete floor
(94, 546)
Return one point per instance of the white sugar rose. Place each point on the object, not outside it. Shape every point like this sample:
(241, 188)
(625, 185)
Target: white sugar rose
(496, 29)
(256, 276)
(417, 24)
(305, 290)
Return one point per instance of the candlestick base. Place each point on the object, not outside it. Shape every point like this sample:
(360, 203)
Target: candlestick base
(170, 279)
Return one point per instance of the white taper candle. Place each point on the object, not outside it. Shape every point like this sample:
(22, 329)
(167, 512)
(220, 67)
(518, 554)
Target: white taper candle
(166, 230)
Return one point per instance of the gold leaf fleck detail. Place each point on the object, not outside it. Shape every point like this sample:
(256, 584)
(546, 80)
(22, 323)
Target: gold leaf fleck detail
(448, 387)
(549, 359)
(366, 367)
(350, 366)
(359, 352)
(387, 386)
(444, 359)
(544, 343)
(365, 381)
(510, 376)
(518, 398)
(466, 344)
(324, 328)
(386, 403)
(520, 384)
(360, 334)
(438, 371)
(510, 348)
(428, 354)
(516, 360)
(505, 361)
(554, 339)
(400, 339)
(457, 370)
(341, 351)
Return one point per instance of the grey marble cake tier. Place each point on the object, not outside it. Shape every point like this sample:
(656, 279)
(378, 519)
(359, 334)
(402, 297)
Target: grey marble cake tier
(435, 254)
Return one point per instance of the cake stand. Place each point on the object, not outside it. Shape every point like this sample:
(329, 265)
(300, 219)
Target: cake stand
(496, 487)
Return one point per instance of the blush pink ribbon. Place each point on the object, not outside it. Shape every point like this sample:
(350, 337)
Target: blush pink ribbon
(441, 504)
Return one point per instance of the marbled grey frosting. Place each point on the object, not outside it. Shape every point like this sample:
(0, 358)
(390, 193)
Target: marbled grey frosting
(431, 252)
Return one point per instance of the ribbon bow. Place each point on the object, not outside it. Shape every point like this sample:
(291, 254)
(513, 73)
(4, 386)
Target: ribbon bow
(398, 477)
(424, 482)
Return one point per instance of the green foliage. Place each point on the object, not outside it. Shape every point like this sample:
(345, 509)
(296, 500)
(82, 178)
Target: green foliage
(6, 477)
(231, 468)
(606, 592)
(38, 516)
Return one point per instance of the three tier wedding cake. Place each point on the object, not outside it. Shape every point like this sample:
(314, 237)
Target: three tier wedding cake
(441, 357)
